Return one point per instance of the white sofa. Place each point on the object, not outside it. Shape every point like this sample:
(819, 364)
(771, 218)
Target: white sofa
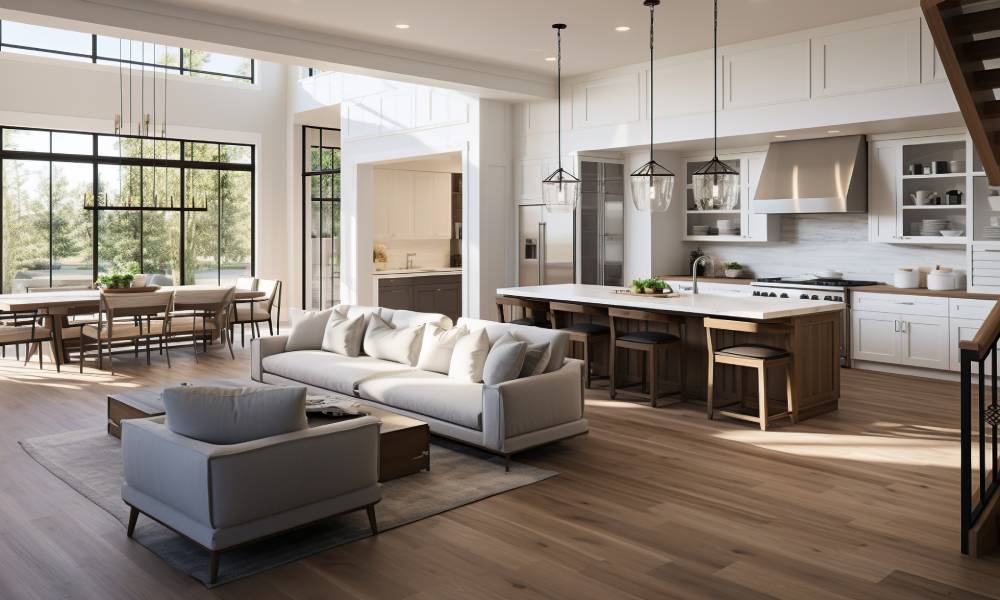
(504, 419)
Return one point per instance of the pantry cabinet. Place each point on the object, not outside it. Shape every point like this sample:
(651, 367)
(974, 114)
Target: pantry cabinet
(412, 205)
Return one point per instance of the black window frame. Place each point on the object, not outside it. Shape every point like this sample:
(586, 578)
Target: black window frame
(308, 200)
(94, 58)
(96, 160)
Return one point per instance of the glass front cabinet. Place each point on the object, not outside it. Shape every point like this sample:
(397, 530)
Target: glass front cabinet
(708, 220)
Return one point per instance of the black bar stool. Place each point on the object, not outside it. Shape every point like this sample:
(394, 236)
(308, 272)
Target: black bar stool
(535, 311)
(585, 334)
(650, 343)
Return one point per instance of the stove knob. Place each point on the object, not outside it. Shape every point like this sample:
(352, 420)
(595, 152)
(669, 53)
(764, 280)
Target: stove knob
(838, 298)
(804, 297)
(784, 295)
(756, 293)
(828, 298)
(773, 295)
(815, 297)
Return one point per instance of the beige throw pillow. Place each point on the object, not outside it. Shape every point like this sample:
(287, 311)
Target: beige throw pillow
(343, 335)
(384, 341)
(469, 357)
(307, 329)
(438, 346)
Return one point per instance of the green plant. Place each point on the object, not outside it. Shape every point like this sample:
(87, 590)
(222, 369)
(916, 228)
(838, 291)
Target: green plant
(115, 280)
(733, 265)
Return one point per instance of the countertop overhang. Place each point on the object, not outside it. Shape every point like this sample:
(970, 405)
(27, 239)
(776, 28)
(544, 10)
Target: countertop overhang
(756, 308)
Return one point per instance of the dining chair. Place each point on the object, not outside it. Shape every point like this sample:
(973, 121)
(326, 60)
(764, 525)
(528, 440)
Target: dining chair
(129, 317)
(73, 318)
(24, 327)
(202, 314)
(248, 284)
(254, 311)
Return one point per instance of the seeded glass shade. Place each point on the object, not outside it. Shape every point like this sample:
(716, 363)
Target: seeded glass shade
(560, 191)
(652, 187)
(716, 185)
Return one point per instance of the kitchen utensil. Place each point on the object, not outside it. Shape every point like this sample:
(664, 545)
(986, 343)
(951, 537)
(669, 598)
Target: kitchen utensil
(915, 169)
(951, 232)
(927, 168)
(923, 197)
(906, 278)
(954, 197)
(939, 167)
(941, 280)
(723, 223)
(956, 166)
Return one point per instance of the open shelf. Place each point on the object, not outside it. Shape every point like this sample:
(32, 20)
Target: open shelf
(714, 211)
(935, 176)
(934, 207)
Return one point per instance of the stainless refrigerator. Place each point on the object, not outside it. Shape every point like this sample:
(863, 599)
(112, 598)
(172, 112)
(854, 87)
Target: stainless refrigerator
(545, 246)
(602, 222)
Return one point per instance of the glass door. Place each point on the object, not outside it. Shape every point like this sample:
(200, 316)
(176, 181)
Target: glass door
(321, 189)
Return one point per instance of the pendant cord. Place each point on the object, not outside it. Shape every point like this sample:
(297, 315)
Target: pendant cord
(651, 10)
(715, 82)
(559, 98)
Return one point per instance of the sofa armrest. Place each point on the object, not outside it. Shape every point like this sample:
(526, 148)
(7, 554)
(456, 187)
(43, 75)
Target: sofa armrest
(260, 349)
(265, 477)
(531, 403)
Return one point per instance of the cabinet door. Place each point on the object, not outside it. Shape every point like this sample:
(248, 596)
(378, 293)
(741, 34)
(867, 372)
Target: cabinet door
(441, 222)
(423, 205)
(425, 298)
(884, 168)
(449, 300)
(400, 204)
(395, 295)
(383, 191)
(961, 330)
(757, 226)
(924, 342)
(874, 336)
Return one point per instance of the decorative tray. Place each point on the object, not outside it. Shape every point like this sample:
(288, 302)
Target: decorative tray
(333, 406)
(627, 292)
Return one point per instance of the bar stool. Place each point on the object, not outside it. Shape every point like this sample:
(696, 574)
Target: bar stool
(581, 333)
(650, 343)
(753, 356)
(534, 311)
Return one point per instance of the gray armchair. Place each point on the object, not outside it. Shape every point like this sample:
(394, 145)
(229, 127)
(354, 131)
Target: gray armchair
(222, 496)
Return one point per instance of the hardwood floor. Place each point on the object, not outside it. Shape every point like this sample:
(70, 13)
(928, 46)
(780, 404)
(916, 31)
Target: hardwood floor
(653, 503)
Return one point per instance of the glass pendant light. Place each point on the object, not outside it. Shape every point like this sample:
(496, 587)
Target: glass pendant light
(652, 183)
(716, 184)
(561, 189)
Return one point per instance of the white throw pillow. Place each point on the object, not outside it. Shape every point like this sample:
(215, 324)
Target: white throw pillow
(438, 346)
(307, 329)
(344, 336)
(469, 357)
(504, 361)
(385, 342)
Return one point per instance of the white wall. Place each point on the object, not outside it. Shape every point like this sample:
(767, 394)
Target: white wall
(51, 92)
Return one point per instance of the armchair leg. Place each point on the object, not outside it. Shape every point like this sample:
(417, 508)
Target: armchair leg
(213, 565)
(133, 516)
(372, 522)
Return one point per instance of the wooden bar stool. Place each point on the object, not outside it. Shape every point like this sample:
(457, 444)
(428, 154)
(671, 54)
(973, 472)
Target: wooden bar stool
(535, 311)
(581, 333)
(752, 356)
(649, 342)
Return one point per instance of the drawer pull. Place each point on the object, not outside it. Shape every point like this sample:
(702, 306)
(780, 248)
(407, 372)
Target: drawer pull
(906, 303)
(990, 250)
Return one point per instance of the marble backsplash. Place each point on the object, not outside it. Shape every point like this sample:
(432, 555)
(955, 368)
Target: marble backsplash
(837, 242)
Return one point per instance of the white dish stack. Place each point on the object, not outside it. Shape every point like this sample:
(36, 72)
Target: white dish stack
(933, 227)
(700, 229)
(727, 227)
(991, 232)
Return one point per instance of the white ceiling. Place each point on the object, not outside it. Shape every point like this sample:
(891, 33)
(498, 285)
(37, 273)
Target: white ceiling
(517, 33)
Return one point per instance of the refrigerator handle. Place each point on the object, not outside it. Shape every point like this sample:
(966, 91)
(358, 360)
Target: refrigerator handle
(542, 252)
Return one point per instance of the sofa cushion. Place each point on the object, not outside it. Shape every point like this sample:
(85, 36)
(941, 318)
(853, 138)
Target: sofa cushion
(401, 345)
(558, 340)
(232, 415)
(307, 329)
(408, 318)
(536, 359)
(437, 347)
(469, 357)
(328, 370)
(504, 361)
(344, 335)
(431, 394)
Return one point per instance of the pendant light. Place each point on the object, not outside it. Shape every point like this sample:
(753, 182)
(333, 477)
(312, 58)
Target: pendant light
(716, 183)
(561, 189)
(652, 183)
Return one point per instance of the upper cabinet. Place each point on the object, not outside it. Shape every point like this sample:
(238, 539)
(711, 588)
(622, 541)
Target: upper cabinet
(707, 221)
(766, 76)
(411, 205)
(873, 58)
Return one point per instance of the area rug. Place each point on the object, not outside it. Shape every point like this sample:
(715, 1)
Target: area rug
(90, 462)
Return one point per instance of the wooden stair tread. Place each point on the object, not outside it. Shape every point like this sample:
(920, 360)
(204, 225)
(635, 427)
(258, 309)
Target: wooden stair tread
(990, 109)
(986, 79)
(979, 49)
(975, 22)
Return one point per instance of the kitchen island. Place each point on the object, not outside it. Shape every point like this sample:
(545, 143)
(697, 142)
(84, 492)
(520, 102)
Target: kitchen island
(814, 338)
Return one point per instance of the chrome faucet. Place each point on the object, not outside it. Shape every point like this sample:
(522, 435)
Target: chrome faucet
(409, 259)
(694, 271)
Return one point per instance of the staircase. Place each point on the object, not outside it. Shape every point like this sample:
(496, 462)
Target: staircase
(967, 36)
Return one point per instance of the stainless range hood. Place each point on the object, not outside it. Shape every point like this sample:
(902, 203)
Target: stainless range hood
(828, 175)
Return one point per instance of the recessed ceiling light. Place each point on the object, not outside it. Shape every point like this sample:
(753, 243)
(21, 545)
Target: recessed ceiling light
(550, 58)
(623, 28)
(781, 136)
(402, 26)
(833, 131)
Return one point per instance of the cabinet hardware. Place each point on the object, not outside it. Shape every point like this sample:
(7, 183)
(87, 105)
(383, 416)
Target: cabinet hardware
(903, 326)
(896, 325)
(906, 303)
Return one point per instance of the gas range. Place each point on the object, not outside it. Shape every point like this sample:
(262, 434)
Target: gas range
(803, 288)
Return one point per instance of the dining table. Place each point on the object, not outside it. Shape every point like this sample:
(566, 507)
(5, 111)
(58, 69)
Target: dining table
(54, 307)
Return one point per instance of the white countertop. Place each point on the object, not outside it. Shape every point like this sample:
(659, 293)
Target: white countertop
(715, 305)
(423, 272)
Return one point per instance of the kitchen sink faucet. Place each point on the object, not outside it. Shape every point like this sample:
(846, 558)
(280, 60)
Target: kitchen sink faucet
(694, 271)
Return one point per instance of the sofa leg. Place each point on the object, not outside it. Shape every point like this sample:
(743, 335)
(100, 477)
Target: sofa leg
(213, 565)
(133, 516)
(372, 522)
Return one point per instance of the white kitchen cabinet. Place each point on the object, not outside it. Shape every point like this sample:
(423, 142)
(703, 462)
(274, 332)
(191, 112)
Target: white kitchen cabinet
(874, 336)
(884, 162)
(911, 340)
(962, 330)
(753, 227)
(411, 205)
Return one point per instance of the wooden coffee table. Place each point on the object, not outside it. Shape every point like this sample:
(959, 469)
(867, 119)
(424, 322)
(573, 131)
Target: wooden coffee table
(404, 443)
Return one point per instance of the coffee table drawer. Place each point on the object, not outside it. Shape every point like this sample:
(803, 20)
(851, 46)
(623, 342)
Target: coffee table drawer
(404, 452)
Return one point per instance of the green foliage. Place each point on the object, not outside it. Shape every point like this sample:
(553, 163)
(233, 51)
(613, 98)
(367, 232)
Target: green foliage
(115, 280)
(733, 265)
(654, 284)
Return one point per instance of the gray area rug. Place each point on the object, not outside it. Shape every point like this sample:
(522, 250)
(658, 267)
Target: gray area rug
(90, 462)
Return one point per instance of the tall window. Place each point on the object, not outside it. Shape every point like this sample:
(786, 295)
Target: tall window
(321, 202)
(86, 47)
(74, 205)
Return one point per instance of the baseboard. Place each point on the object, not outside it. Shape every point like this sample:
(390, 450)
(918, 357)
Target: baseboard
(864, 365)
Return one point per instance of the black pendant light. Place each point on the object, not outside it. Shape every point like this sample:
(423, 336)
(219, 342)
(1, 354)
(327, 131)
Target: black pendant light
(716, 184)
(561, 189)
(652, 183)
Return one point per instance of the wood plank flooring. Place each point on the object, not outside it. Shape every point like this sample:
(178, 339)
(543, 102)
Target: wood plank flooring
(653, 503)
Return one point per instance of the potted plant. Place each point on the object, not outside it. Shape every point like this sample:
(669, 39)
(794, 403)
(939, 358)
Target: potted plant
(733, 269)
(638, 286)
(380, 256)
(115, 281)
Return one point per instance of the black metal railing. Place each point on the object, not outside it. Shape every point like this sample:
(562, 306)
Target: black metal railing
(977, 415)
